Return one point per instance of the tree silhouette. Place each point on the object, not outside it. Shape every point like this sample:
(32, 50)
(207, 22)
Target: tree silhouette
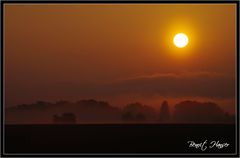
(65, 118)
(164, 112)
(199, 112)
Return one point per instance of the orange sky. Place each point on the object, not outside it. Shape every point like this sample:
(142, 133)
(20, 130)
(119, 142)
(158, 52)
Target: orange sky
(125, 51)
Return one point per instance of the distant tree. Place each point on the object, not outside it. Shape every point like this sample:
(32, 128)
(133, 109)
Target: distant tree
(23, 107)
(127, 116)
(140, 117)
(229, 118)
(164, 115)
(39, 102)
(91, 103)
(197, 112)
(62, 102)
(65, 118)
(136, 112)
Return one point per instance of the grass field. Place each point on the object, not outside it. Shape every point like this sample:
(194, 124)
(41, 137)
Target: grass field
(168, 138)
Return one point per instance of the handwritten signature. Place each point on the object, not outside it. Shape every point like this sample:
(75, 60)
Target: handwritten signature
(205, 145)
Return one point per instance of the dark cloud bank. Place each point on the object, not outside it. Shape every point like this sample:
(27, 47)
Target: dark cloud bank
(202, 84)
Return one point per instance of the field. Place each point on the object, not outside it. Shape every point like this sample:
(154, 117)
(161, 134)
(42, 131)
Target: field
(168, 138)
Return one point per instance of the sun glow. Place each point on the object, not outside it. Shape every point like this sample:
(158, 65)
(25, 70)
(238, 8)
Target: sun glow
(180, 40)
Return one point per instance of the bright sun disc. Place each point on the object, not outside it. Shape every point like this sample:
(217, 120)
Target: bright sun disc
(180, 40)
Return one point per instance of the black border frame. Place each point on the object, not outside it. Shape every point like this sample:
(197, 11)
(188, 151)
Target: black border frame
(236, 2)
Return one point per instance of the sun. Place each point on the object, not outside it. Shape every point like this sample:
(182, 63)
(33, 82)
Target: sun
(180, 40)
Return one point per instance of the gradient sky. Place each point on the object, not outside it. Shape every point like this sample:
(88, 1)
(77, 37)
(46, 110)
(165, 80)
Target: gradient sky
(121, 53)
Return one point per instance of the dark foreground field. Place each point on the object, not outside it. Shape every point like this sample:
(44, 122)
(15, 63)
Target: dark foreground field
(116, 138)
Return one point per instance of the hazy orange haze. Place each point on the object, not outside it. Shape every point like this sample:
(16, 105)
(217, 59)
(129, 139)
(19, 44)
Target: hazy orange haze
(119, 52)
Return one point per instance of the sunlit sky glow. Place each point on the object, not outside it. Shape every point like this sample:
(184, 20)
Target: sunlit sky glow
(121, 53)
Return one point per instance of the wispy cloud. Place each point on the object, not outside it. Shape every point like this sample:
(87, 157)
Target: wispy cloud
(203, 84)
